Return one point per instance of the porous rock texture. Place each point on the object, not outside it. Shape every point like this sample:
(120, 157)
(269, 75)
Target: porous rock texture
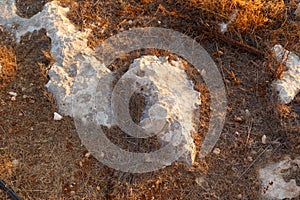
(289, 85)
(77, 78)
(278, 181)
(170, 99)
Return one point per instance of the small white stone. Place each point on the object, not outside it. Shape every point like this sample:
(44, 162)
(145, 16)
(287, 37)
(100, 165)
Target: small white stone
(247, 113)
(220, 53)
(264, 139)
(13, 98)
(15, 163)
(217, 151)
(14, 94)
(57, 116)
(200, 181)
(223, 28)
(87, 155)
(250, 159)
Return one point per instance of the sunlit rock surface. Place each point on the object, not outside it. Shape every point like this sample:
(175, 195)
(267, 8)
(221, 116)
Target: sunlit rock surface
(289, 85)
(278, 181)
(77, 77)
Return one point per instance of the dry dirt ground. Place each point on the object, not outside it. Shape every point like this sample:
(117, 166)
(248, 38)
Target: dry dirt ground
(43, 159)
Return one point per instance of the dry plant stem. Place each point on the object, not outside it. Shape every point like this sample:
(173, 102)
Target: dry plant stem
(245, 47)
(254, 161)
(230, 41)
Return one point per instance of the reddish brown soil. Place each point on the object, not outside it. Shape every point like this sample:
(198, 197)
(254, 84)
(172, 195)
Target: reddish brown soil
(43, 159)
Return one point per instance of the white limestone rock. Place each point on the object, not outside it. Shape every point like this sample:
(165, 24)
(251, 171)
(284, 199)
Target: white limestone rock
(289, 85)
(274, 187)
(172, 99)
(57, 116)
(68, 47)
(79, 81)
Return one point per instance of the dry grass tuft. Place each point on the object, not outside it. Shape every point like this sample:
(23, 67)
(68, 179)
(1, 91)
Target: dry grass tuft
(53, 163)
(8, 65)
(250, 15)
(5, 167)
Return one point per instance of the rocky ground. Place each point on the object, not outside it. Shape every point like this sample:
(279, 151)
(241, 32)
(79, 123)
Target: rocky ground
(43, 159)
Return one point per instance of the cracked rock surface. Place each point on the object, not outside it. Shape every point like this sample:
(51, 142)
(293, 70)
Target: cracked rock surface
(289, 85)
(274, 179)
(77, 77)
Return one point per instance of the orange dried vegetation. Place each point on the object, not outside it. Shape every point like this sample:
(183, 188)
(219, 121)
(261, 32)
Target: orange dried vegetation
(7, 65)
(251, 14)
